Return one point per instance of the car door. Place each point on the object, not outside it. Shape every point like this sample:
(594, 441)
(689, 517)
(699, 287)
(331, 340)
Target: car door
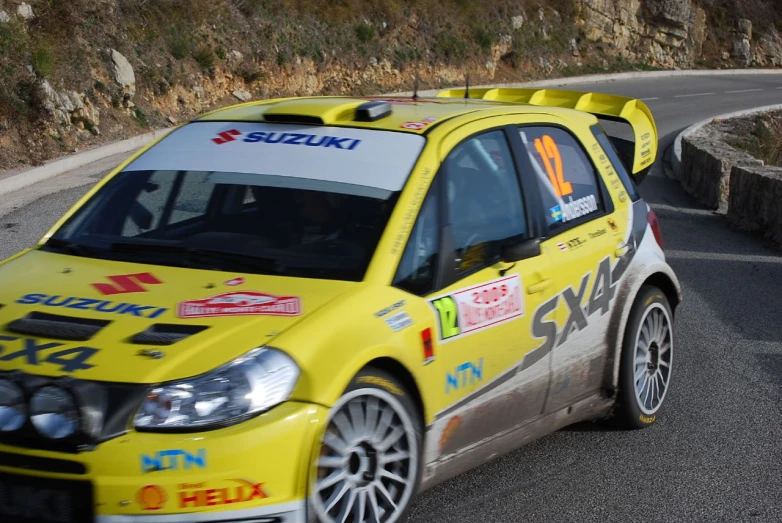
(489, 377)
(581, 233)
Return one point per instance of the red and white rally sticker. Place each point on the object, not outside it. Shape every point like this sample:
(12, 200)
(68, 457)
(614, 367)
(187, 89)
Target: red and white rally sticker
(241, 303)
(418, 126)
(235, 282)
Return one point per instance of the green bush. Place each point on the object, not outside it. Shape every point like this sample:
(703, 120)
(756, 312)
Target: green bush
(365, 32)
(483, 37)
(449, 47)
(205, 57)
(179, 45)
(43, 61)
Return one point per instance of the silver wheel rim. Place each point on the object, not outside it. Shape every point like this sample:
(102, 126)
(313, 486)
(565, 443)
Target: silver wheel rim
(368, 460)
(653, 358)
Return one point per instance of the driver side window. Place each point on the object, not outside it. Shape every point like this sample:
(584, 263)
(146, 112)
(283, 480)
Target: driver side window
(485, 206)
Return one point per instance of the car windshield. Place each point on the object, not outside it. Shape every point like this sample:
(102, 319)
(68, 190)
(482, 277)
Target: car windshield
(324, 225)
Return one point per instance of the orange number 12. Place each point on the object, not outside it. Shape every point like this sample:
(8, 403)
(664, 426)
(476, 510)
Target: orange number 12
(549, 151)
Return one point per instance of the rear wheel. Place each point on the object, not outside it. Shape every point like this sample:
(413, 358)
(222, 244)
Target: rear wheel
(647, 359)
(368, 461)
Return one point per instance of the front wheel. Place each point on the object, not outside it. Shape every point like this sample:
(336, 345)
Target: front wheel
(647, 359)
(369, 459)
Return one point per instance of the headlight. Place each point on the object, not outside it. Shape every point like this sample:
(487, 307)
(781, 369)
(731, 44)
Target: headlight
(245, 387)
(13, 412)
(54, 412)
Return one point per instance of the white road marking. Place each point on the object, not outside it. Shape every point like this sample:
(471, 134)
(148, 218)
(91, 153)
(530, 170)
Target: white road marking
(779, 88)
(744, 91)
(648, 99)
(690, 95)
(718, 256)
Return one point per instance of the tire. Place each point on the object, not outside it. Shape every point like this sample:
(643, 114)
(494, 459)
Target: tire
(641, 395)
(349, 463)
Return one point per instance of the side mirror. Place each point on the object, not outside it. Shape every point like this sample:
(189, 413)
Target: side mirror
(522, 250)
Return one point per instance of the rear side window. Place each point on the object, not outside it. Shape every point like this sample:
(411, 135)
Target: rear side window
(568, 183)
(618, 165)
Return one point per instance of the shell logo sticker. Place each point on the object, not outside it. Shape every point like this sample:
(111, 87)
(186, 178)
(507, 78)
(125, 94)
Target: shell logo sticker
(151, 497)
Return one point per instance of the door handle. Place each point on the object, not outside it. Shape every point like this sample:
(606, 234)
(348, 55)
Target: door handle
(540, 286)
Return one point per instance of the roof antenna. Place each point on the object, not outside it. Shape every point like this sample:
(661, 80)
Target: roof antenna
(415, 84)
(467, 89)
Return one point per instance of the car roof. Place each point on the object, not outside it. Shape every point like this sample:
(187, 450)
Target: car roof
(342, 111)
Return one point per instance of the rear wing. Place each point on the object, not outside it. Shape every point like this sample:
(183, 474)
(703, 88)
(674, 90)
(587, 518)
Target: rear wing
(638, 155)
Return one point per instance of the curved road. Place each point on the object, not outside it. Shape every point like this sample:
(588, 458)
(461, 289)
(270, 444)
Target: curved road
(716, 452)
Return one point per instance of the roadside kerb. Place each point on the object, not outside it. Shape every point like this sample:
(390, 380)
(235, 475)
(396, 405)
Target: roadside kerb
(69, 163)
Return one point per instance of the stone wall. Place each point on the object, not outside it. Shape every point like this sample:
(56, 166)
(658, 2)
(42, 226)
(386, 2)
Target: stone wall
(754, 202)
(707, 162)
(730, 181)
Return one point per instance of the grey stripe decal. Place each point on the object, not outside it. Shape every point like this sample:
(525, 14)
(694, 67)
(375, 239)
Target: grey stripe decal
(639, 209)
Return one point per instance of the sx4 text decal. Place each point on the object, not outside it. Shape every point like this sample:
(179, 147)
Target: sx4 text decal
(599, 300)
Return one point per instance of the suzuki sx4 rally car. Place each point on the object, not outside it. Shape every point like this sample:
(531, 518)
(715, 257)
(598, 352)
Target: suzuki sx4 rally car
(312, 309)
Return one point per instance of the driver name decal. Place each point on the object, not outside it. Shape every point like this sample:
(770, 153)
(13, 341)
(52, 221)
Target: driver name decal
(470, 310)
(240, 303)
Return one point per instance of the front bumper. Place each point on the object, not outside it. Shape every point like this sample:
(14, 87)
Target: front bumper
(252, 472)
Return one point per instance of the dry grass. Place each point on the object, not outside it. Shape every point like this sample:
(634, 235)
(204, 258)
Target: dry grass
(764, 141)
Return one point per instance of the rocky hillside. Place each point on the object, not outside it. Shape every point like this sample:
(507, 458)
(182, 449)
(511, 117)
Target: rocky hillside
(77, 73)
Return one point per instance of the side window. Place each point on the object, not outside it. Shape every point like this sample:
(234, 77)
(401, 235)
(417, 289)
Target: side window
(417, 269)
(485, 205)
(566, 177)
(619, 167)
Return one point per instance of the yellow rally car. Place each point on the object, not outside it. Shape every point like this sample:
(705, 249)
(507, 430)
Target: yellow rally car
(312, 309)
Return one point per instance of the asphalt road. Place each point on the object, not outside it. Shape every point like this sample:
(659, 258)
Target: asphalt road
(715, 453)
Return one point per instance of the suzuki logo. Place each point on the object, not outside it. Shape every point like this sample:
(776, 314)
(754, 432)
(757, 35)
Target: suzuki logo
(226, 136)
(126, 284)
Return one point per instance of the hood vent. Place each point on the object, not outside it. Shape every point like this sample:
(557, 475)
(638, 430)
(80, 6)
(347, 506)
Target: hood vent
(57, 327)
(166, 334)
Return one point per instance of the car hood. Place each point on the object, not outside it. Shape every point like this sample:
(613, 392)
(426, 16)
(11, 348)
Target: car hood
(126, 322)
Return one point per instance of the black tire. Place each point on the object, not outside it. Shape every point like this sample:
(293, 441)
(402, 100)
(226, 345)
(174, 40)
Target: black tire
(362, 458)
(637, 409)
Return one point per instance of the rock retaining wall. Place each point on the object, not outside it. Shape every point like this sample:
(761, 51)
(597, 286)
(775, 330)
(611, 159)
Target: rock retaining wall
(755, 201)
(707, 162)
(732, 182)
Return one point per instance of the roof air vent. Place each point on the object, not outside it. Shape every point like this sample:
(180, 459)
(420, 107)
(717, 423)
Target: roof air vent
(302, 119)
(372, 111)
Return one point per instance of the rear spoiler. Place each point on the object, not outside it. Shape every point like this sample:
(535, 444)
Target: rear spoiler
(638, 156)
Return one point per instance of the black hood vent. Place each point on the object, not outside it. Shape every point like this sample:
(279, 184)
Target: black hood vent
(44, 325)
(166, 334)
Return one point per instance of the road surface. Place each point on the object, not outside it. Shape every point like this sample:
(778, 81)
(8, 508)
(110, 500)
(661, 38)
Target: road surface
(716, 452)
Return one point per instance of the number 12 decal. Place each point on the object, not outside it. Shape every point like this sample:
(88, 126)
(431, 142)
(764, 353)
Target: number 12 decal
(549, 152)
(477, 308)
